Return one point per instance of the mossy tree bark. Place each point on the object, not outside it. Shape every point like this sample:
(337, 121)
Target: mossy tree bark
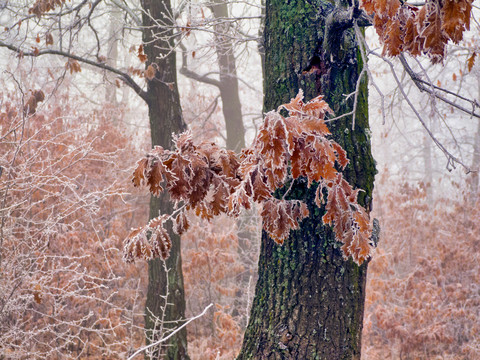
(309, 301)
(165, 116)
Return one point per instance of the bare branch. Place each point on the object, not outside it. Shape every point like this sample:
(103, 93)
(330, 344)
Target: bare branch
(184, 70)
(129, 11)
(171, 334)
(451, 159)
(430, 88)
(127, 79)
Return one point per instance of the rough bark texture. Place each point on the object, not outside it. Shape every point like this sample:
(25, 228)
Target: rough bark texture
(165, 118)
(309, 301)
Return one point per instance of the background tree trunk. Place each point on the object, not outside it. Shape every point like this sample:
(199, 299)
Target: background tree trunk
(115, 18)
(473, 184)
(309, 301)
(228, 80)
(231, 106)
(165, 116)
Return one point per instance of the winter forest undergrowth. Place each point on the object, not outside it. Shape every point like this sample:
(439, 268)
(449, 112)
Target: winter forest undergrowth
(73, 130)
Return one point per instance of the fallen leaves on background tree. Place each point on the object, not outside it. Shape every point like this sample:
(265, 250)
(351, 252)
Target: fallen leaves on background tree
(210, 181)
(41, 7)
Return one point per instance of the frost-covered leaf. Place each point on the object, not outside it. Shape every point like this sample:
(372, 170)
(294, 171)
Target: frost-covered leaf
(210, 181)
(281, 216)
(148, 242)
(416, 30)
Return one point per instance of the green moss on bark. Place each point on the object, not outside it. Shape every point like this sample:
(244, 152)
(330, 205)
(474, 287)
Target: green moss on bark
(305, 287)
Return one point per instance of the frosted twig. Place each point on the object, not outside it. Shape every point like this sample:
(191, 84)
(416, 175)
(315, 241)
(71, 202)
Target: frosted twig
(171, 334)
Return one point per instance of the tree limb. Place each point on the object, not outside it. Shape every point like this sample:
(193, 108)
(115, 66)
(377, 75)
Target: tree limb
(139, 351)
(451, 159)
(127, 79)
(184, 70)
(426, 86)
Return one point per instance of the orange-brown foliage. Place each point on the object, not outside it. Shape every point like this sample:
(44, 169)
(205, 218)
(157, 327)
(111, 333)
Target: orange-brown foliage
(209, 180)
(424, 30)
(41, 7)
(423, 295)
(65, 291)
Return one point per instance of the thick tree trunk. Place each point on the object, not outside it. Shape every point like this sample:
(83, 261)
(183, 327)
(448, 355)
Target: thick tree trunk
(165, 118)
(309, 301)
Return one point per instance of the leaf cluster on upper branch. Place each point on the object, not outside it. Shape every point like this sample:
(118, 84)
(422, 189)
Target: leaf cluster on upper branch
(425, 30)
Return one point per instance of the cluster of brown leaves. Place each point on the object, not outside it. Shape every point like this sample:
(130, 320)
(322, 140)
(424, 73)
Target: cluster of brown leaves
(141, 55)
(426, 30)
(211, 181)
(30, 107)
(73, 66)
(200, 176)
(150, 241)
(43, 6)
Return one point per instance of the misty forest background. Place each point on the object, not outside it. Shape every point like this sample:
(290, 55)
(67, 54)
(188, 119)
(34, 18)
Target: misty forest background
(71, 135)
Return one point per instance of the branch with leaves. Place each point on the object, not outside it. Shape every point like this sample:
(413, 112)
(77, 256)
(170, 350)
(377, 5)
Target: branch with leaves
(73, 65)
(209, 181)
(419, 30)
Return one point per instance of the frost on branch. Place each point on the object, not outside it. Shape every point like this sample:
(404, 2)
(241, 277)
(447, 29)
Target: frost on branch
(149, 242)
(426, 30)
(210, 181)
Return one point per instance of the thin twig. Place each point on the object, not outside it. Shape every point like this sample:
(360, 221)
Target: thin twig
(451, 160)
(171, 334)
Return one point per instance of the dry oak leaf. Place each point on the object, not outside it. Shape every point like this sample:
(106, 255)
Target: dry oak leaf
(471, 61)
(148, 242)
(281, 216)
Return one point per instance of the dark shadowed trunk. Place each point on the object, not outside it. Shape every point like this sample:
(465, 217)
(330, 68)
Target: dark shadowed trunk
(165, 118)
(309, 301)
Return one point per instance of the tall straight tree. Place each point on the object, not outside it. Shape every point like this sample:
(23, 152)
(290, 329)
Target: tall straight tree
(309, 300)
(165, 115)
(227, 82)
(54, 29)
